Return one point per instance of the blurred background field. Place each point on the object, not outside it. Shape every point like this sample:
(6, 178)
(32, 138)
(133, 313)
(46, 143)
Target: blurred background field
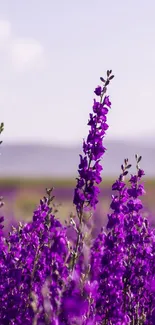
(26, 171)
(22, 195)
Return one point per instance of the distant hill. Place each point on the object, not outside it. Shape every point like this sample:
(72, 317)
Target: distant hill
(35, 160)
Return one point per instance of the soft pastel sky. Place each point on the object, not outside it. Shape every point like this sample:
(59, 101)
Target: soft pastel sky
(52, 54)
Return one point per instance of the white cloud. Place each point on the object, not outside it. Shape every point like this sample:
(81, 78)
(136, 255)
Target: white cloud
(26, 53)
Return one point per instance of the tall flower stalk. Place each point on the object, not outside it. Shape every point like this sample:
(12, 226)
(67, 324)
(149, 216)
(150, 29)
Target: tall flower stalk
(123, 259)
(110, 258)
(139, 243)
(86, 190)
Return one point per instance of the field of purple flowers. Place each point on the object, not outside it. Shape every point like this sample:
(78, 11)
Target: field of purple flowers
(96, 264)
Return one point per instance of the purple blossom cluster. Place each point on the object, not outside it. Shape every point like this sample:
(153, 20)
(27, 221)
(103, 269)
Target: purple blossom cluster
(55, 274)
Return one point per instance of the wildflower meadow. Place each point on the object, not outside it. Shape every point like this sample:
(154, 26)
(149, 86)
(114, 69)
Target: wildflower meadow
(54, 273)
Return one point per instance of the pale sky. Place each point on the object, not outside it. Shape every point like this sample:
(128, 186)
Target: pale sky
(52, 54)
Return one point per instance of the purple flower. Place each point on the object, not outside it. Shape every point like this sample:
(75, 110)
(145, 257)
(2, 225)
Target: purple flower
(37, 251)
(98, 91)
(86, 191)
(110, 255)
(89, 167)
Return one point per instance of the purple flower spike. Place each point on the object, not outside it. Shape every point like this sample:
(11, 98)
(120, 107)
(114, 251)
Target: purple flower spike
(86, 191)
(93, 148)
